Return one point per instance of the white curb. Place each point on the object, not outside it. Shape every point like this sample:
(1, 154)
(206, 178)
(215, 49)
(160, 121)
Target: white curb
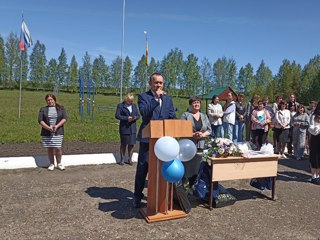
(67, 160)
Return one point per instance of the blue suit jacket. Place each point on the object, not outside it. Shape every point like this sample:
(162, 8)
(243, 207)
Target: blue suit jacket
(149, 110)
(122, 114)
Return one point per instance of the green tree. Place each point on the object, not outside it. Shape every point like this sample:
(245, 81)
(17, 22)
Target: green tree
(309, 79)
(100, 73)
(263, 78)
(51, 74)
(172, 67)
(140, 78)
(246, 79)
(192, 78)
(38, 65)
(231, 73)
(296, 78)
(12, 56)
(206, 76)
(25, 67)
(288, 79)
(3, 62)
(73, 75)
(315, 89)
(139, 75)
(127, 72)
(115, 72)
(220, 72)
(154, 66)
(86, 69)
(271, 90)
(62, 69)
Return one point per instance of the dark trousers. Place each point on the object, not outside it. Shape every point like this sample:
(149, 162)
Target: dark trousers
(142, 171)
(216, 131)
(289, 144)
(259, 137)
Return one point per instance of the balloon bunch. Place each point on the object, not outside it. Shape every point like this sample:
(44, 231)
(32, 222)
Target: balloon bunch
(172, 152)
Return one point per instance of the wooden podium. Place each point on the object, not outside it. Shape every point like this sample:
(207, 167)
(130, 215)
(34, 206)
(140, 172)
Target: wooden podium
(159, 203)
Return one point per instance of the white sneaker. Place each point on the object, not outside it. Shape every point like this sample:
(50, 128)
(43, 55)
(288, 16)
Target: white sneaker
(51, 167)
(60, 167)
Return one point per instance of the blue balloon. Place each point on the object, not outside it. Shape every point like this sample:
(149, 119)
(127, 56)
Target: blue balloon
(172, 171)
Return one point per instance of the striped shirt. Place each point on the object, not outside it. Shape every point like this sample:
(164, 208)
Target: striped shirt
(53, 140)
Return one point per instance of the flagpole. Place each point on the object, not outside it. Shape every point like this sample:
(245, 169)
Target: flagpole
(20, 85)
(146, 72)
(122, 45)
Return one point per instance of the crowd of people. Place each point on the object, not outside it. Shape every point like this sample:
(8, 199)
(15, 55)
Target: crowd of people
(295, 129)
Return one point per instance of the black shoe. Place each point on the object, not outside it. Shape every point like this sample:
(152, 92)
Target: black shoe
(121, 163)
(129, 162)
(256, 184)
(136, 203)
(269, 183)
(315, 181)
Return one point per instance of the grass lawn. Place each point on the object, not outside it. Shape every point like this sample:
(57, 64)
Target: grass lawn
(26, 129)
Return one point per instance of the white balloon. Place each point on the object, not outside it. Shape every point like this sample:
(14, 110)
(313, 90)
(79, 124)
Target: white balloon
(166, 148)
(187, 150)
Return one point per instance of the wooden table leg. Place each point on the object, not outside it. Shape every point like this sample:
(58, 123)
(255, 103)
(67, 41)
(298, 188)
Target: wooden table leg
(211, 187)
(273, 188)
(211, 195)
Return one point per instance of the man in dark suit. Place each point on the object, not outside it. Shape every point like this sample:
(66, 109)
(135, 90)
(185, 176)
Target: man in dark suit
(153, 105)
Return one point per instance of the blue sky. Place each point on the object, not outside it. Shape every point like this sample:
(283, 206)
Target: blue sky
(246, 30)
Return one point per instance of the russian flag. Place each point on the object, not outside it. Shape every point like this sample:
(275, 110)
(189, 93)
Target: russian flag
(25, 37)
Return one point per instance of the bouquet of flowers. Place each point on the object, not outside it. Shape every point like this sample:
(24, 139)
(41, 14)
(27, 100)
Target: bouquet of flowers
(221, 147)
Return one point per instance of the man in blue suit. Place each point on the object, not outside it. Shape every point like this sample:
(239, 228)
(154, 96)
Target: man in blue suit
(153, 105)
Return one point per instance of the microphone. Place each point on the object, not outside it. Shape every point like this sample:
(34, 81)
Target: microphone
(162, 94)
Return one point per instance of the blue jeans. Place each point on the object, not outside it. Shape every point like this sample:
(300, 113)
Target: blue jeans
(216, 131)
(238, 131)
(229, 128)
(141, 172)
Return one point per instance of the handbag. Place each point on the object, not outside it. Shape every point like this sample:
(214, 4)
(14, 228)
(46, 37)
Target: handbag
(224, 198)
(202, 183)
(221, 197)
(180, 197)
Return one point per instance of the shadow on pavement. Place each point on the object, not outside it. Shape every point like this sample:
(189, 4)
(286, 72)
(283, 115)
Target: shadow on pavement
(41, 161)
(119, 201)
(242, 195)
(303, 165)
(288, 176)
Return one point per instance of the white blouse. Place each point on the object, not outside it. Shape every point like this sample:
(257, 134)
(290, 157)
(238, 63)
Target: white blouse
(283, 117)
(314, 127)
(215, 110)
